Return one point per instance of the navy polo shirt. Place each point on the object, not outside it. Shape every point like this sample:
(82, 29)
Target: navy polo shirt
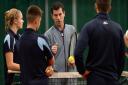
(9, 44)
(104, 38)
(34, 55)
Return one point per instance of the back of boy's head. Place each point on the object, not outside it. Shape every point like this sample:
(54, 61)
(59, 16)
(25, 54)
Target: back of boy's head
(33, 12)
(103, 5)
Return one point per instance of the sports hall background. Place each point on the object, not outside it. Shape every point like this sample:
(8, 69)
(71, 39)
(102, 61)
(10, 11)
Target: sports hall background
(78, 12)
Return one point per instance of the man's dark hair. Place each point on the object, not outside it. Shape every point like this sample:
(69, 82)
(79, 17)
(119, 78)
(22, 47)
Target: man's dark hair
(56, 6)
(33, 12)
(103, 5)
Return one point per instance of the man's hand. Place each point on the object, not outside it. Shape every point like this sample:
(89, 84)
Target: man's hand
(86, 74)
(49, 71)
(54, 48)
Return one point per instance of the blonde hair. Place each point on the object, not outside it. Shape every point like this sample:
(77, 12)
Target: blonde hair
(10, 16)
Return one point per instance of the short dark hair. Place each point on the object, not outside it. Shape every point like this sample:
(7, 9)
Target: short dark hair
(33, 12)
(56, 6)
(103, 5)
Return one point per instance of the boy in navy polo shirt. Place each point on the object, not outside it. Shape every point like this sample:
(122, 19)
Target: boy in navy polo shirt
(35, 54)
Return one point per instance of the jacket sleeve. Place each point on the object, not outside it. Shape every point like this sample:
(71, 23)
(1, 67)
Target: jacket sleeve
(122, 55)
(48, 36)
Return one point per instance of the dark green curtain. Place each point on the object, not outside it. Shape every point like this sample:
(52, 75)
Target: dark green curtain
(1, 38)
(86, 11)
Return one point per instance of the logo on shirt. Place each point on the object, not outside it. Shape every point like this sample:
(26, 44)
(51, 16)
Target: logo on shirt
(105, 22)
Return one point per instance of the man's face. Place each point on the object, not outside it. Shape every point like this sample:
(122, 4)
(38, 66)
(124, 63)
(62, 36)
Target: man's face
(58, 17)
